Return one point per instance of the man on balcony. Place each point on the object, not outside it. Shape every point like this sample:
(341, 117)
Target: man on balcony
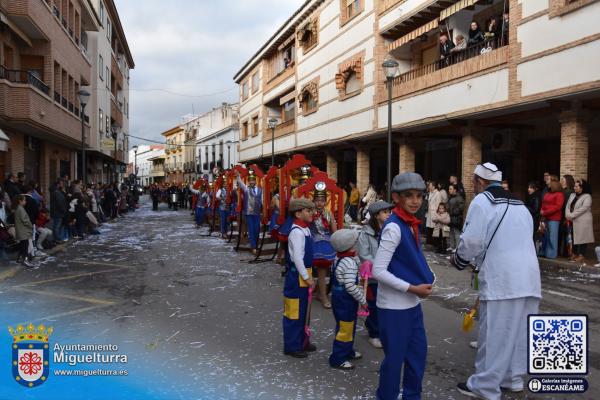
(252, 208)
(446, 46)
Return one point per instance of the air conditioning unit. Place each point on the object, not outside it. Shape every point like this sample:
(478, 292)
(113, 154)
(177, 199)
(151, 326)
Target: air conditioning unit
(505, 141)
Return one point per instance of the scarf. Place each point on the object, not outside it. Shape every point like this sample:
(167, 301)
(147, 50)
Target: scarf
(300, 223)
(342, 254)
(577, 196)
(411, 220)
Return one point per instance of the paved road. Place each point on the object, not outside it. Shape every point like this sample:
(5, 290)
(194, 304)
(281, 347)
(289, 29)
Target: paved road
(198, 323)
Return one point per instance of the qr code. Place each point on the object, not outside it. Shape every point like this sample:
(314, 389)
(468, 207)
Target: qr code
(557, 344)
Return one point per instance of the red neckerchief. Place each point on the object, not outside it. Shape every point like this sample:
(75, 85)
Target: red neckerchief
(343, 254)
(410, 219)
(323, 219)
(300, 223)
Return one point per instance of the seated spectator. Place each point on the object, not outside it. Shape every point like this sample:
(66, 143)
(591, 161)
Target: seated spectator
(43, 232)
(446, 46)
(475, 35)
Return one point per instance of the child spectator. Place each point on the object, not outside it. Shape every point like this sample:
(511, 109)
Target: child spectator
(346, 296)
(441, 231)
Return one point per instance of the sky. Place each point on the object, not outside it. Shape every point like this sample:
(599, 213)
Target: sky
(193, 48)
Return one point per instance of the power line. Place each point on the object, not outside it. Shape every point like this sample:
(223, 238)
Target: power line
(189, 145)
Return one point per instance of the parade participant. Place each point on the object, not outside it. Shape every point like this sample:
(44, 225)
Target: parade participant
(321, 228)
(284, 229)
(221, 195)
(202, 203)
(298, 279)
(346, 296)
(404, 278)
(497, 240)
(368, 242)
(252, 208)
(155, 194)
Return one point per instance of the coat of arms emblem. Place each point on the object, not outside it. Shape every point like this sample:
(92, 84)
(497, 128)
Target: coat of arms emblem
(30, 354)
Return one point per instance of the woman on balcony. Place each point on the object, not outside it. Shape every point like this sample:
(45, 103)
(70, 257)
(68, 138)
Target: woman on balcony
(475, 35)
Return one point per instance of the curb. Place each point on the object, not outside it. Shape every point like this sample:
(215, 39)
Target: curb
(553, 265)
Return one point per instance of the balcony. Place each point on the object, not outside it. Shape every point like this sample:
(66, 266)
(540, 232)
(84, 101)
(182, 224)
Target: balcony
(285, 128)
(458, 65)
(19, 76)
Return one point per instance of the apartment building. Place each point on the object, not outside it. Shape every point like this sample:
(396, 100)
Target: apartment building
(523, 98)
(42, 68)
(145, 163)
(174, 154)
(112, 61)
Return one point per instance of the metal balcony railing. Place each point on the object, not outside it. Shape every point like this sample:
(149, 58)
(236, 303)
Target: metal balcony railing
(21, 76)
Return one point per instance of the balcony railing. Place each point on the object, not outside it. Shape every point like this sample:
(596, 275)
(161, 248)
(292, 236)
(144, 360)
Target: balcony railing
(285, 127)
(64, 102)
(458, 64)
(20, 76)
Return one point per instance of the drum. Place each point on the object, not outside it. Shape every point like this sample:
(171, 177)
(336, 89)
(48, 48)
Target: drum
(174, 198)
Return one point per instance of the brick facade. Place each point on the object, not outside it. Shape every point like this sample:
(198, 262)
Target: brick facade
(471, 156)
(362, 169)
(574, 143)
(332, 166)
(407, 158)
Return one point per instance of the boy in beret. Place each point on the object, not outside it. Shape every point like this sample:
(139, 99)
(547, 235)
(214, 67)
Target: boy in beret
(299, 259)
(346, 295)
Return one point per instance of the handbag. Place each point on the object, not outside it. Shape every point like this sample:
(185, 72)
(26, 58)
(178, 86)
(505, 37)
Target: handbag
(4, 235)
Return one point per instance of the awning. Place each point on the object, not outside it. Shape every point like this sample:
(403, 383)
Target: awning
(4, 19)
(287, 97)
(456, 8)
(414, 34)
(3, 141)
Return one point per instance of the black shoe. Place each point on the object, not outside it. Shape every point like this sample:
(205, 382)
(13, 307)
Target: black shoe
(310, 348)
(296, 354)
(462, 388)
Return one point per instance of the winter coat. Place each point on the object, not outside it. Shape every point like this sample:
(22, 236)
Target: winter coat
(11, 188)
(58, 204)
(367, 244)
(23, 225)
(435, 198)
(441, 220)
(456, 208)
(32, 207)
(534, 205)
(583, 221)
(552, 204)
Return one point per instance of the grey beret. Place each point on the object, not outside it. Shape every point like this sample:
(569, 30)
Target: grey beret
(344, 239)
(407, 181)
(297, 204)
(379, 205)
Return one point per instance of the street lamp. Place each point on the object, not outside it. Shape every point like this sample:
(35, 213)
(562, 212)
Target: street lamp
(135, 149)
(272, 125)
(114, 130)
(84, 95)
(390, 69)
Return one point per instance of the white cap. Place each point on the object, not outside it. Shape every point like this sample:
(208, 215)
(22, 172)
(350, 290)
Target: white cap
(489, 172)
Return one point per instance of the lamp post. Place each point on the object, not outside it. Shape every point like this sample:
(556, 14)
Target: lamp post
(135, 149)
(114, 130)
(84, 95)
(272, 125)
(390, 69)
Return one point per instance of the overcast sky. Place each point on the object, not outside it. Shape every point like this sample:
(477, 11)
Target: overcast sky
(191, 47)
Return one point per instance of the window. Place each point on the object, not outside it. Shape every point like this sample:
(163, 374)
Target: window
(244, 133)
(349, 79)
(255, 126)
(245, 90)
(255, 82)
(288, 111)
(107, 126)
(309, 97)
(101, 13)
(100, 120)
(350, 9)
(282, 60)
(101, 67)
(107, 78)
(308, 35)
(108, 29)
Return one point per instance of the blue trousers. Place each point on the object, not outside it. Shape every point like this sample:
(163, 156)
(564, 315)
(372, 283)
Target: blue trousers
(253, 223)
(402, 334)
(295, 305)
(551, 249)
(372, 322)
(200, 212)
(224, 215)
(344, 310)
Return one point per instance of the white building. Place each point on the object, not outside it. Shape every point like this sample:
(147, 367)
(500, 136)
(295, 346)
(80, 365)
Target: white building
(217, 138)
(108, 104)
(145, 162)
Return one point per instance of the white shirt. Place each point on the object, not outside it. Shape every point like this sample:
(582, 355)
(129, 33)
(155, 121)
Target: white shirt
(296, 240)
(392, 292)
(510, 268)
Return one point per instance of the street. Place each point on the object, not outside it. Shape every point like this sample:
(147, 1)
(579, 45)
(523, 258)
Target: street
(198, 322)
